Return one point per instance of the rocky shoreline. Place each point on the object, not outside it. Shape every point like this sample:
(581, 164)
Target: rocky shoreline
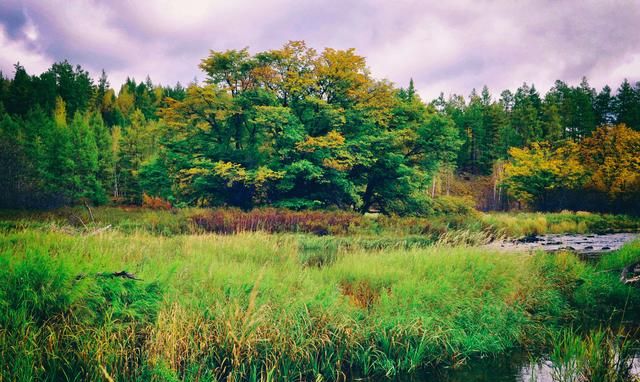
(584, 244)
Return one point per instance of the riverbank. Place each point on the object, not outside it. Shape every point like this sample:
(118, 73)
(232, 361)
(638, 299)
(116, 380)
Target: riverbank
(586, 245)
(256, 306)
(468, 227)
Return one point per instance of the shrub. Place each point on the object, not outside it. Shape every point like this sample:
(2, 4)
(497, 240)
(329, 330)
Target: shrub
(413, 205)
(453, 205)
(155, 202)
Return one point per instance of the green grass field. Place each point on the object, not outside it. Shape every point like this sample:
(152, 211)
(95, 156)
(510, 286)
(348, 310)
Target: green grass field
(257, 306)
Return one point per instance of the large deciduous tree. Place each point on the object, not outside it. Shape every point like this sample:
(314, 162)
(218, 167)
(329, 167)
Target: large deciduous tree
(297, 128)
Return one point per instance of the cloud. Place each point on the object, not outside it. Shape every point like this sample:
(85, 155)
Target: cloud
(14, 51)
(444, 46)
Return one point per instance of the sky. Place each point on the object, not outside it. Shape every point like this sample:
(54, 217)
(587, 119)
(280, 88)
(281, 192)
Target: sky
(446, 46)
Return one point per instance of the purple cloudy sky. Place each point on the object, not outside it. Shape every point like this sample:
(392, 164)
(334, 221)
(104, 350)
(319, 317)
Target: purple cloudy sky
(450, 46)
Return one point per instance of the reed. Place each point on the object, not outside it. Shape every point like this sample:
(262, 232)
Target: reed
(604, 355)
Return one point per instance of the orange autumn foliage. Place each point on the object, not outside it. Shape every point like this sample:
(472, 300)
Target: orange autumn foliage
(155, 202)
(603, 169)
(612, 154)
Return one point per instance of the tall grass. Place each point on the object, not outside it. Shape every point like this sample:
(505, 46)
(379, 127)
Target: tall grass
(55, 324)
(603, 355)
(467, 228)
(255, 306)
(276, 220)
(124, 219)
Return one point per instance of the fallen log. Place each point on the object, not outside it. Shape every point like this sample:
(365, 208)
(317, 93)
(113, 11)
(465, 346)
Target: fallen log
(99, 230)
(631, 274)
(122, 274)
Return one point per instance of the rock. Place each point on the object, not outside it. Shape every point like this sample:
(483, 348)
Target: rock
(530, 239)
(581, 244)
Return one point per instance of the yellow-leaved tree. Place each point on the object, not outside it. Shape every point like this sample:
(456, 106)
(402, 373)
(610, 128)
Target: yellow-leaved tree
(536, 174)
(601, 172)
(612, 155)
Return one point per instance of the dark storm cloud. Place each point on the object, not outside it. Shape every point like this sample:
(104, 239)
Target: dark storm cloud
(13, 18)
(445, 46)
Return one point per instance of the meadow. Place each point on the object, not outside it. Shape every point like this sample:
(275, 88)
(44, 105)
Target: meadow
(279, 305)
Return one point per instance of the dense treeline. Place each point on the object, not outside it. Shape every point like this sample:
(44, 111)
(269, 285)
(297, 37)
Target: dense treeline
(298, 128)
(64, 138)
(491, 126)
(582, 147)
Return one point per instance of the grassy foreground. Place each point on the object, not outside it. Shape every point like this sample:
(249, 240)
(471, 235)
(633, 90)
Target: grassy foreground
(256, 306)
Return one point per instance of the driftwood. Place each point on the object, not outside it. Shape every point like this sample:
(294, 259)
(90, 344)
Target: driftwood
(122, 274)
(78, 218)
(631, 274)
(86, 205)
(99, 230)
(87, 229)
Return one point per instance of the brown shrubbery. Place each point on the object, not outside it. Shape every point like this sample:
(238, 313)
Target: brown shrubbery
(155, 202)
(229, 221)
